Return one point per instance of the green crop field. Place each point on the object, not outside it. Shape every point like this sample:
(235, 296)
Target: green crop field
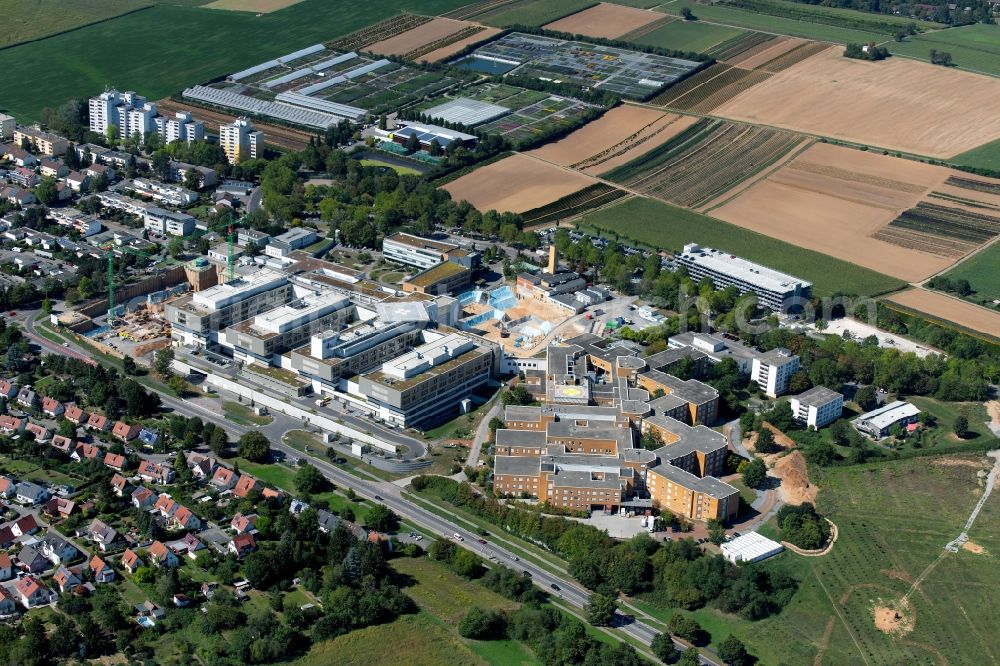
(981, 270)
(689, 35)
(664, 226)
(986, 156)
(527, 12)
(172, 47)
(25, 20)
(972, 47)
(776, 24)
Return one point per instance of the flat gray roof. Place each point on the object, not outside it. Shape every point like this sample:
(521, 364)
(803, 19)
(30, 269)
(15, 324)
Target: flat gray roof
(698, 438)
(520, 438)
(708, 484)
(817, 396)
(690, 389)
(519, 465)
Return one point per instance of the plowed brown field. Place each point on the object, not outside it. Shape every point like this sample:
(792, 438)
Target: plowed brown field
(605, 20)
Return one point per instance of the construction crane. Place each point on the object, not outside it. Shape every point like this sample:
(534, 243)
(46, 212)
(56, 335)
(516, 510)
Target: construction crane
(110, 248)
(230, 228)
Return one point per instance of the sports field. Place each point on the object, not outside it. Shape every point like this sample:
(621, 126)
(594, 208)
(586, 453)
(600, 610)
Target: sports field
(192, 45)
(972, 47)
(25, 20)
(982, 270)
(664, 226)
(689, 35)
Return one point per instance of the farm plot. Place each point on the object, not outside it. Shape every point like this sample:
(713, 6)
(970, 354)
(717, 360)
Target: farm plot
(25, 21)
(706, 160)
(256, 6)
(833, 200)
(501, 13)
(690, 36)
(516, 184)
(389, 88)
(765, 52)
(578, 203)
(975, 48)
(704, 95)
(447, 51)
(943, 230)
(793, 56)
(745, 42)
(950, 310)
(980, 270)
(604, 20)
(882, 104)
(636, 34)
(378, 32)
(425, 38)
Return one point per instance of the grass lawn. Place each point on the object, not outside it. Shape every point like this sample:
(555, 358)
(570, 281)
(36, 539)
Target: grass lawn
(301, 439)
(972, 47)
(689, 35)
(442, 593)
(22, 469)
(243, 415)
(946, 412)
(981, 272)
(401, 170)
(199, 44)
(667, 227)
(274, 474)
(733, 16)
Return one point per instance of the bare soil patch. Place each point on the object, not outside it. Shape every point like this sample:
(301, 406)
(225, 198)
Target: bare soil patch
(612, 128)
(766, 52)
(516, 184)
(895, 619)
(605, 20)
(950, 310)
(425, 33)
(832, 199)
(973, 547)
(794, 475)
(958, 462)
(993, 409)
(259, 6)
(451, 49)
(883, 104)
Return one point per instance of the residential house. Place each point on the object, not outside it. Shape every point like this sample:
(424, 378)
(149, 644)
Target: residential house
(98, 422)
(327, 521)
(242, 545)
(181, 600)
(208, 589)
(78, 182)
(26, 524)
(244, 523)
(33, 593)
(189, 544)
(40, 432)
(162, 556)
(29, 494)
(119, 484)
(125, 432)
(75, 415)
(85, 452)
(7, 487)
(131, 560)
(7, 536)
(150, 610)
(8, 603)
(29, 559)
(103, 573)
(101, 534)
(184, 518)
(202, 467)
(98, 170)
(52, 407)
(57, 550)
(224, 478)
(11, 425)
(7, 389)
(143, 498)
(272, 494)
(24, 177)
(17, 155)
(246, 485)
(165, 505)
(115, 461)
(148, 437)
(62, 444)
(26, 397)
(18, 196)
(53, 168)
(152, 472)
(6, 567)
(66, 579)
(59, 507)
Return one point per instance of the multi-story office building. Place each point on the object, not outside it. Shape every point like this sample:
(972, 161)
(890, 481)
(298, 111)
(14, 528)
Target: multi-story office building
(415, 251)
(444, 278)
(182, 127)
(817, 407)
(41, 141)
(775, 290)
(240, 141)
(772, 371)
(426, 385)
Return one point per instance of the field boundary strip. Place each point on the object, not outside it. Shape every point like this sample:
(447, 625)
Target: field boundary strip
(739, 44)
(642, 31)
(624, 146)
(795, 56)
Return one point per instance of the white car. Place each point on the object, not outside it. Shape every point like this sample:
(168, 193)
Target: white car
(459, 536)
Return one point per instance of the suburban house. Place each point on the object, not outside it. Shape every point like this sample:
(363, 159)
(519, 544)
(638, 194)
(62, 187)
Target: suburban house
(7, 537)
(26, 524)
(183, 518)
(26, 397)
(98, 422)
(33, 593)
(57, 550)
(66, 579)
(59, 507)
(10, 425)
(75, 415)
(152, 472)
(52, 407)
(189, 544)
(131, 561)
(30, 493)
(100, 533)
(103, 573)
(244, 523)
(6, 567)
(246, 485)
(85, 452)
(143, 498)
(8, 603)
(224, 478)
(242, 545)
(60, 443)
(125, 432)
(162, 556)
(115, 461)
(202, 467)
(41, 433)
(7, 487)
(119, 484)
(31, 560)
(148, 437)
(7, 389)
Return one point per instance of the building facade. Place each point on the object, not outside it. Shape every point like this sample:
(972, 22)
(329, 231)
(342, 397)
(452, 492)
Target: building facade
(240, 141)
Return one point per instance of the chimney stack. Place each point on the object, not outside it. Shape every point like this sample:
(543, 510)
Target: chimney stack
(552, 259)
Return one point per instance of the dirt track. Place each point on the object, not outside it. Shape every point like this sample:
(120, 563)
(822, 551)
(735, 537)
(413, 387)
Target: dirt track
(283, 137)
(605, 20)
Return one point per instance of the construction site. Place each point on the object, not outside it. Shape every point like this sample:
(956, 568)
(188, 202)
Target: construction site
(519, 324)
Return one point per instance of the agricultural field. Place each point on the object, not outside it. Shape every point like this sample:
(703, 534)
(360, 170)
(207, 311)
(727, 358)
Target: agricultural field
(944, 230)
(377, 32)
(986, 156)
(709, 88)
(427, 37)
(615, 138)
(744, 42)
(502, 13)
(975, 48)
(447, 51)
(881, 104)
(856, 193)
(256, 6)
(704, 161)
(950, 311)
(528, 183)
(26, 21)
(693, 36)
(981, 270)
(604, 20)
(630, 74)
(532, 112)
(739, 18)
(573, 205)
(199, 44)
(763, 52)
(667, 227)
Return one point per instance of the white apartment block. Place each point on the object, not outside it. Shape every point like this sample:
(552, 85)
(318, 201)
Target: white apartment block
(240, 142)
(182, 127)
(772, 371)
(817, 407)
(169, 223)
(7, 124)
(114, 108)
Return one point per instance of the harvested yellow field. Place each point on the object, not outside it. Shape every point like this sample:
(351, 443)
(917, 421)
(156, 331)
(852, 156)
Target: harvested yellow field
(258, 6)
(612, 128)
(605, 20)
(951, 310)
(423, 35)
(899, 104)
(516, 184)
(451, 49)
